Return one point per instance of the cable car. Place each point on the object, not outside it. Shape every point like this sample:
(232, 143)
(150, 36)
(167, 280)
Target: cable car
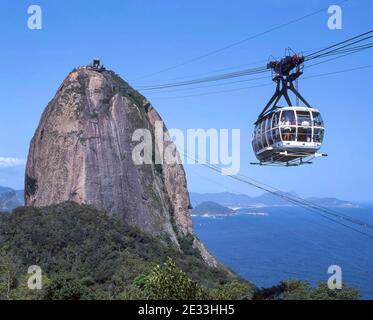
(287, 135)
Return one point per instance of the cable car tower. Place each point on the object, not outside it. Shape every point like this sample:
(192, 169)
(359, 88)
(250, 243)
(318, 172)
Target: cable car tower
(287, 135)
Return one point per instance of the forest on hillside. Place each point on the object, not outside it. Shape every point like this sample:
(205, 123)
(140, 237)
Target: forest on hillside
(85, 253)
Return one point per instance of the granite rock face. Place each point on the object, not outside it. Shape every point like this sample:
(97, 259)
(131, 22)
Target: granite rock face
(82, 152)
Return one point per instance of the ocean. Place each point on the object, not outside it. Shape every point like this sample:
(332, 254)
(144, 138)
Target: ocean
(270, 244)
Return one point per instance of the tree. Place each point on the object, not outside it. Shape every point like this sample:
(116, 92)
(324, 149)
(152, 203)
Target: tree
(302, 290)
(234, 290)
(167, 281)
(322, 292)
(67, 287)
(23, 292)
(8, 273)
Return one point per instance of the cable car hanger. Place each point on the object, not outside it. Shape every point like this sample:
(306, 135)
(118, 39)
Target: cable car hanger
(285, 72)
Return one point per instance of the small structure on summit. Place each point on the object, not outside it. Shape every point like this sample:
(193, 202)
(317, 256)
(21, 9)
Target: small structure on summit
(96, 65)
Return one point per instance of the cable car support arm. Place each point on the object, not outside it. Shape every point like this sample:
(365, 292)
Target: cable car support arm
(285, 71)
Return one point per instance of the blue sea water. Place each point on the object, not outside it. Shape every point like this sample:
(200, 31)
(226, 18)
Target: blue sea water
(291, 243)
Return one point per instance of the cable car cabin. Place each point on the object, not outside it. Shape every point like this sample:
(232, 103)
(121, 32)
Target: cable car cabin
(287, 135)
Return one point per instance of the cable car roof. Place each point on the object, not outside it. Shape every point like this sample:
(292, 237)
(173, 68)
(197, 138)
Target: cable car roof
(296, 108)
(278, 109)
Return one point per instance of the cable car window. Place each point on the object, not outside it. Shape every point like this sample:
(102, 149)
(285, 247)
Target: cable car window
(275, 130)
(304, 126)
(266, 132)
(269, 131)
(286, 131)
(259, 133)
(317, 119)
(287, 123)
(303, 118)
(318, 135)
(275, 121)
(256, 139)
(263, 134)
(288, 116)
(253, 141)
(276, 135)
(321, 139)
(268, 124)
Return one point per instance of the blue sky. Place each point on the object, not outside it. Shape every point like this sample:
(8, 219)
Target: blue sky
(137, 38)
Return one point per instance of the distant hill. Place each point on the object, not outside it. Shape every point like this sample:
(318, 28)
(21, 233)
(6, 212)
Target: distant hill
(212, 208)
(266, 199)
(223, 198)
(5, 189)
(333, 202)
(10, 199)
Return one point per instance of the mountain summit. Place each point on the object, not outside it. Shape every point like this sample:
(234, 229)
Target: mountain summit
(82, 152)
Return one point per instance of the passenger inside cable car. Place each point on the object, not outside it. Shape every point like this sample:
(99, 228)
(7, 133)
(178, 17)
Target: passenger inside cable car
(287, 124)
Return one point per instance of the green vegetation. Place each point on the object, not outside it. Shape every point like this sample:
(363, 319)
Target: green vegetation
(168, 281)
(86, 254)
(302, 290)
(124, 88)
